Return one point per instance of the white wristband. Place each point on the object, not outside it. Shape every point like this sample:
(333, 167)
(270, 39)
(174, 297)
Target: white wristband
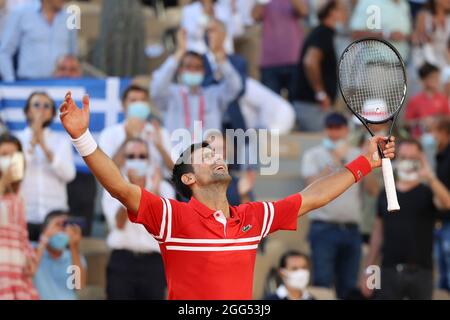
(85, 144)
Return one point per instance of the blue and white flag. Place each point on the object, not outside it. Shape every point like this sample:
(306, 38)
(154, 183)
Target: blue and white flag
(104, 94)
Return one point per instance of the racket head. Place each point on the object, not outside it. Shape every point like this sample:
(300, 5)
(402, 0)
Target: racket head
(372, 80)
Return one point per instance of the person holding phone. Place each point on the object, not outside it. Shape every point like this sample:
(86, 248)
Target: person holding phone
(61, 267)
(15, 273)
(49, 160)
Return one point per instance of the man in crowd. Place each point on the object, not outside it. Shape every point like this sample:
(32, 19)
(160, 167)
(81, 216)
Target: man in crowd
(334, 234)
(68, 66)
(40, 35)
(405, 238)
(135, 269)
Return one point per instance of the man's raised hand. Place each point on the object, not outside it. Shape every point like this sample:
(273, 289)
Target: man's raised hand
(74, 119)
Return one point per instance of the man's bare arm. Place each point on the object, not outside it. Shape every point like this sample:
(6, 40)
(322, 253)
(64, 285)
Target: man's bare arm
(328, 188)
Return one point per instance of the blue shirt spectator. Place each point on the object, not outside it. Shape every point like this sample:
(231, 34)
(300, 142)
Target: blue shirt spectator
(41, 35)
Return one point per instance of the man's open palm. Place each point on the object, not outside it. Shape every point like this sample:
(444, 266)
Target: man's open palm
(74, 119)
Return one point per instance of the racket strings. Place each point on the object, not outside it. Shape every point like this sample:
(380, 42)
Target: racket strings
(372, 80)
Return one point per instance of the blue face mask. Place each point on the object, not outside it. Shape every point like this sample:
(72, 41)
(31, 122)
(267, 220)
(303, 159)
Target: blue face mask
(138, 109)
(59, 241)
(192, 79)
(428, 141)
(332, 145)
(140, 166)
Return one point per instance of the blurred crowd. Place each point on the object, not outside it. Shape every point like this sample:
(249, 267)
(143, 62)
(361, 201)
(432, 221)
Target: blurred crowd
(46, 206)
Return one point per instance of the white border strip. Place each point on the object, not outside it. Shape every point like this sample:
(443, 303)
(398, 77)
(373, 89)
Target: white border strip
(232, 248)
(272, 213)
(212, 241)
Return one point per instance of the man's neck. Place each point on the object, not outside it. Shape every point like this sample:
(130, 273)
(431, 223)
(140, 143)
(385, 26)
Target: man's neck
(443, 145)
(194, 90)
(330, 23)
(405, 186)
(48, 11)
(294, 294)
(215, 198)
(429, 92)
(54, 254)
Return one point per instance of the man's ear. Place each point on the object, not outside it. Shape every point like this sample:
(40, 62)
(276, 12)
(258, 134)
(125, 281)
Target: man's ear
(188, 178)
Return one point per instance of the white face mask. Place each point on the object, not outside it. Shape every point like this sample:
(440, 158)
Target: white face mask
(5, 162)
(408, 170)
(297, 279)
(140, 166)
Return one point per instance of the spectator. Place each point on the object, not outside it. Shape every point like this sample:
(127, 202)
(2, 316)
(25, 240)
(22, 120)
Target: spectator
(334, 235)
(67, 66)
(216, 35)
(17, 257)
(59, 258)
(240, 189)
(282, 38)
(294, 272)
(394, 24)
(431, 33)
(405, 238)
(416, 6)
(31, 31)
(196, 16)
(441, 133)
(186, 104)
(135, 269)
(49, 162)
(428, 103)
(138, 122)
(318, 65)
(263, 108)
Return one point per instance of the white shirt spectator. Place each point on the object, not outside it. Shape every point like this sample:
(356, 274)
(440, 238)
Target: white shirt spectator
(133, 237)
(44, 184)
(394, 15)
(194, 21)
(112, 138)
(245, 8)
(263, 108)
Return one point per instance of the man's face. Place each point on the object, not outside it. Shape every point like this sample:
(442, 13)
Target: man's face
(7, 149)
(294, 263)
(216, 36)
(68, 67)
(209, 167)
(337, 133)
(41, 107)
(432, 82)
(136, 150)
(408, 151)
(340, 13)
(192, 64)
(441, 136)
(133, 96)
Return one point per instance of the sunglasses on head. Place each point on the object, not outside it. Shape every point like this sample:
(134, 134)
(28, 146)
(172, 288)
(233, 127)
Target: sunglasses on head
(39, 105)
(137, 156)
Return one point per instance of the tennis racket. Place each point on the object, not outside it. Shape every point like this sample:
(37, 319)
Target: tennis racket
(372, 81)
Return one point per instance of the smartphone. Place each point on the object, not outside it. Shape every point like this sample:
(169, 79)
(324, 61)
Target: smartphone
(18, 166)
(80, 221)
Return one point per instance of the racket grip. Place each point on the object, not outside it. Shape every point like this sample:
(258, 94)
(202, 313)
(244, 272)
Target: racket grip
(389, 185)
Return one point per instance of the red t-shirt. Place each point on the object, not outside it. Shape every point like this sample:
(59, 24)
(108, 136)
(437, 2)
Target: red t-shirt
(422, 106)
(207, 256)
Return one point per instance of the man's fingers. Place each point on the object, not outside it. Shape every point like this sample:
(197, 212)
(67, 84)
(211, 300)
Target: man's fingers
(86, 103)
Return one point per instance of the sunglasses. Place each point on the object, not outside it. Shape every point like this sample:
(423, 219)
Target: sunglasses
(137, 156)
(44, 105)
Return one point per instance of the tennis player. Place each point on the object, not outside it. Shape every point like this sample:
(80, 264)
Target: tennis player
(208, 247)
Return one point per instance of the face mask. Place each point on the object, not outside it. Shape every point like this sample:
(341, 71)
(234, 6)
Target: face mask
(339, 27)
(140, 166)
(139, 109)
(59, 241)
(408, 170)
(428, 141)
(192, 79)
(203, 20)
(298, 279)
(5, 162)
(332, 145)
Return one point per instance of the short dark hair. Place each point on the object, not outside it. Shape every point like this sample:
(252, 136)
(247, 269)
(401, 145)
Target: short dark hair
(324, 12)
(183, 166)
(292, 253)
(40, 93)
(426, 69)
(411, 141)
(9, 138)
(443, 124)
(191, 53)
(51, 215)
(133, 87)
